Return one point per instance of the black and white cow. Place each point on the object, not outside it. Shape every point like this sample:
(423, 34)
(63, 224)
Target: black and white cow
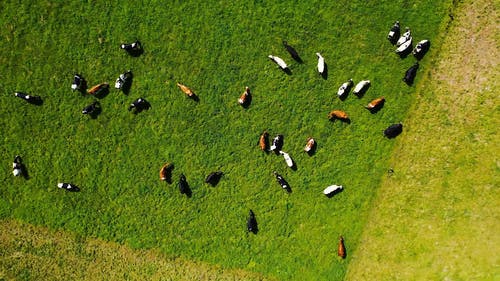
(139, 105)
(68, 186)
(252, 223)
(277, 144)
(134, 49)
(393, 130)
(124, 80)
(283, 183)
(79, 83)
(410, 74)
(17, 166)
(345, 88)
(37, 100)
(91, 109)
(421, 49)
(394, 33)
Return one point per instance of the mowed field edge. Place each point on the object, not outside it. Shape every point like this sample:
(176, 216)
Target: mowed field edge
(437, 216)
(115, 158)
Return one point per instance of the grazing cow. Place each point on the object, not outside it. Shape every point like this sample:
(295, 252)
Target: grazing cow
(345, 88)
(277, 143)
(375, 104)
(91, 108)
(245, 98)
(338, 114)
(321, 63)
(393, 130)
(282, 182)
(279, 61)
(361, 88)
(37, 100)
(123, 80)
(292, 52)
(332, 190)
(186, 90)
(68, 186)
(264, 141)
(406, 37)
(166, 172)
(410, 74)
(139, 105)
(341, 252)
(79, 83)
(183, 185)
(17, 166)
(252, 223)
(394, 33)
(404, 48)
(288, 159)
(99, 88)
(134, 49)
(421, 49)
(213, 178)
(310, 145)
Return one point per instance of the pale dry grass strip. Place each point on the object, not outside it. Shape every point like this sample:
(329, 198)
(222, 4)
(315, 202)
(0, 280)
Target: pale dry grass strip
(30, 252)
(438, 216)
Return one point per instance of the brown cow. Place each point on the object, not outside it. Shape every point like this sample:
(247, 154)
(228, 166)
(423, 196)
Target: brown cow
(341, 250)
(186, 90)
(338, 114)
(264, 141)
(245, 97)
(166, 172)
(310, 145)
(95, 90)
(375, 104)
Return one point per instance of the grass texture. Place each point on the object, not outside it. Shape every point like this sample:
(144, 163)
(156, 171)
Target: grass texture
(217, 48)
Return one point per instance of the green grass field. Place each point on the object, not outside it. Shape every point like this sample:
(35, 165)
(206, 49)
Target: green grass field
(217, 49)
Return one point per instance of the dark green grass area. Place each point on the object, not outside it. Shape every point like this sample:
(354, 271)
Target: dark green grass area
(216, 48)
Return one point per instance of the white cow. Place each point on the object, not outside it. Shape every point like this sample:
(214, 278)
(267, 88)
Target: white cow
(321, 63)
(279, 61)
(361, 87)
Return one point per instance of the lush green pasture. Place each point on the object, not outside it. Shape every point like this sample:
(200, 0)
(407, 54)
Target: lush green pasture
(217, 49)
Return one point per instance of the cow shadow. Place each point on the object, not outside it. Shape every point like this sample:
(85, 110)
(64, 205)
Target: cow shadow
(24, 172)
(97, 111)
(102, 93)
(288, 189)
(36, 100)
(287, 71)
(330, 195)
(376, 108)
(363, 91)
(406, 52)
(127, 85)
(294, 166)
(194, 97)
(312, 151)
(291, 50)
(324, 75)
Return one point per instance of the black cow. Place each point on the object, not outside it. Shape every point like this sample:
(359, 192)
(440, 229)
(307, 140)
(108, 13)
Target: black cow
(421, 49)
(283, 183)
(139, 105)
(134, 49)
(79, 83)
(213, 178)
(184, 186)
(410, 74)
(37, 100)
(292, 52)
(394, 33)
(277, 143)
(393, 130)
(252, 223)
(68, 186)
